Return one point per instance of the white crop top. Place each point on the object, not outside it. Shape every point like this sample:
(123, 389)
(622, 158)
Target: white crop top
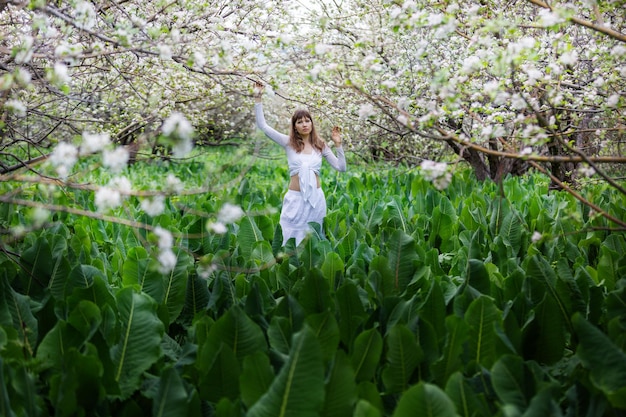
(306, 166)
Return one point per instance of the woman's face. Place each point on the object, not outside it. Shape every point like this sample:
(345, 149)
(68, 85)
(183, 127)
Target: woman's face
(303, 126)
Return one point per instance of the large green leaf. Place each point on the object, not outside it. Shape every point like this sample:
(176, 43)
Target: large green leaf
(402, 257)
(468, 403)
(403, 356)
(341, 391)
(544, 336)
(256, 377)
(38, 263)
(332, 269)
(239, 332)
(249, 234)
(605, 361)
(451, 360)
(482, 316)
(176, 286)
(315, 295)
(511, 232)
(326, 329)
(139, 344)
(139, 271)
(298, 389)
(425, 399)
(351, 312)
(368, 348)
(512, 382)
(171, 399)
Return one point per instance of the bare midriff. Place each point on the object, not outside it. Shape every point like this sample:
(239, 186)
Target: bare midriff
(294, 182)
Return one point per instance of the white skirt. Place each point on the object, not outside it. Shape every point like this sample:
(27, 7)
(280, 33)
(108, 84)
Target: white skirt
(296, 214)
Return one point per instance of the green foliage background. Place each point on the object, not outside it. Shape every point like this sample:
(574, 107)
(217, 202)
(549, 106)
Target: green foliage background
(417, 302)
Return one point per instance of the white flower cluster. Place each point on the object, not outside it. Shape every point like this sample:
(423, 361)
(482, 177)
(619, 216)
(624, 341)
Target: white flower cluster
(586, 171)
(178, 128)
(166, 257)
(153, 206)
(111, 196)
(63, 158)
(366, 110)
(229, 213)
(437, 173)
(15, 106)
(94, 142)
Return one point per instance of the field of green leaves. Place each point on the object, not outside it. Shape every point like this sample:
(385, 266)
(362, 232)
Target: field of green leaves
(477, 300)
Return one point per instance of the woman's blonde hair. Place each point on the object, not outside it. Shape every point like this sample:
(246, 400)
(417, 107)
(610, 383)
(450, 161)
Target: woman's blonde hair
(295, 140)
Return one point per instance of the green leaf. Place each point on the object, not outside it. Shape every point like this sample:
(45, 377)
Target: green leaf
(137, 271)
(326, 329)
(544, 337)
(176, 286)
(332, 269)
(5, 400)
(315, 293)
(298, 390)
(249, 234)
(482, 316)
(511, 232)
(341, 391)
(239, 332)
(403, 356)
(171, 399)
(351, 312)
(466, 400)
(368, 348)
(605, 361)
(402, 257)
(425, 399)
(139, 345)
(451, 360)
(222, 376)
(256, 377)
(512, 382)
(365, 409)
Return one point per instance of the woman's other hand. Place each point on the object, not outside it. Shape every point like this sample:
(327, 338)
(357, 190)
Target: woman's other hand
(258, 91)
(336, 136)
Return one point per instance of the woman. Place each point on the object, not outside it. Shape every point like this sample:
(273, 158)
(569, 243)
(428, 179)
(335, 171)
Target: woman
(304, 201)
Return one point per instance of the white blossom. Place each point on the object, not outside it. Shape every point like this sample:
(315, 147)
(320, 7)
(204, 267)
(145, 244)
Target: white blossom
(25, 51)
(167, 260)
(549, 18)
(366, 110)
(437, 173)
(569, 58)
(217, 227)
(153, 206)
(60, 74)
(23, 76)
(115, 160)
(15, 106)
(166, 240)
(63, 158)
(94, 142)
(177, 125)
(107, 199)
(85, 15)
(165, 51)
(618, 50)
(199, 60)
(526, 151)
(172, 183)
(121, 184)
(536, 237)
(586, 171)
(229, 213)
(613, 100)
(470, 64)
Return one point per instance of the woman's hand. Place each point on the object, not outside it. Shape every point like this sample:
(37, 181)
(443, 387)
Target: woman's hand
(258, 91)
(336, 136)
